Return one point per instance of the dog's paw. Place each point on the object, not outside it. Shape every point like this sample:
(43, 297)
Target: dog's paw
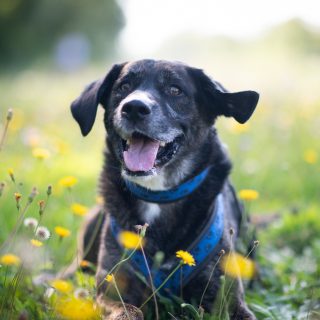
(243, 313)
(115, 311)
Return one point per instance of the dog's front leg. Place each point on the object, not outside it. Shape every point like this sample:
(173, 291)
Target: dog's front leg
(108, 256)
(239, 310)
(114, 310)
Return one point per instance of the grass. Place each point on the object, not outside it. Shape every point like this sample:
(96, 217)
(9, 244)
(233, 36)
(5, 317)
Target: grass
(275, 154)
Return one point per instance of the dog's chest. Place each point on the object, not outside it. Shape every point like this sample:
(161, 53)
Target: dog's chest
(149, 212)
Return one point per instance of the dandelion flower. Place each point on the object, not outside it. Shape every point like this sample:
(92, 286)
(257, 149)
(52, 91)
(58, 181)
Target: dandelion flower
(109, 278)
(11, 174)
(235, 265)
(40, 153)
(61, 147)
(30, 223)
(310, 156)
(43, 233)
(248, 194)
(78, 209)
(186, 257)
(36, 243)
(99, 200)
(10, 259)
(84, 263)
(61, 285)
(73, 308)
(68, 181)
(130, 240)
(81, 293)
(62, 232)
(17, 196)
(240, 128)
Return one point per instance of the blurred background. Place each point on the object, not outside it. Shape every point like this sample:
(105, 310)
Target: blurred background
(49, 51)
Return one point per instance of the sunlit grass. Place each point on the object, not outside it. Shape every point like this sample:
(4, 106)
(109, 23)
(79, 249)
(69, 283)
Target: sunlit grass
(276, 154)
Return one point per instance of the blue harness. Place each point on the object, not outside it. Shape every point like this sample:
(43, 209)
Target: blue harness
(166, 196)
(201, 248)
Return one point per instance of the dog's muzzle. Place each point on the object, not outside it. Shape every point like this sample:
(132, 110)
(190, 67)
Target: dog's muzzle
(142, 154)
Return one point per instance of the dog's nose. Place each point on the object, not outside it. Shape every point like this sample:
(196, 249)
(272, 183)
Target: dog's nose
(135, 110)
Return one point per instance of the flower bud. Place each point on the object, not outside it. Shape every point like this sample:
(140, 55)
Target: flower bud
(49, 190)
(33, 194)
(9, 115)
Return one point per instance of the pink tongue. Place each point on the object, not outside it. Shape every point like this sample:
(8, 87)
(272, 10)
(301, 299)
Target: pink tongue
(141, 154)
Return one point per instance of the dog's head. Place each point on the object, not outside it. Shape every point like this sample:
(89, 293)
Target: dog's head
(157, 110)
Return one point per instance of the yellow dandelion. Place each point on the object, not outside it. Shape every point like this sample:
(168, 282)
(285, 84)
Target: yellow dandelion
(84, 263)
(78, 209)
(61, 147)
(62, 232)
(11, 174)
(130, 240)
(109, 278)
(186, 257)
(240, 128)
(10, 259)
(235, 265)
(36, 243)
(40, 153)
(68, 181)
(75, 308)
(61, 285)
(310, 156)
(99, 200)
(17, 196)
(248, 194)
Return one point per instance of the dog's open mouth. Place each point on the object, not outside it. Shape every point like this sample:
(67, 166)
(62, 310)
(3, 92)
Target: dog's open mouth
(142, 154)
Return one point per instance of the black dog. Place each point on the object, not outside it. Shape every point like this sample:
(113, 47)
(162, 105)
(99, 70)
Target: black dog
(164, 166)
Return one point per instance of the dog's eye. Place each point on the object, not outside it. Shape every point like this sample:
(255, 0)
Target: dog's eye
(125, 87)
(175, 91)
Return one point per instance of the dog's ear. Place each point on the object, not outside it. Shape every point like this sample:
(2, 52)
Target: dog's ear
(218, 101)
(84, 108)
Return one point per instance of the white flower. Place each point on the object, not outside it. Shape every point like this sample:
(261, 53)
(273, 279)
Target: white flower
(30, 223)
(49, 292)
(43, 233)
(81, 293)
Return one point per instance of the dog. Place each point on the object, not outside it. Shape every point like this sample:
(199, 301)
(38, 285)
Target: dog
(164, 166)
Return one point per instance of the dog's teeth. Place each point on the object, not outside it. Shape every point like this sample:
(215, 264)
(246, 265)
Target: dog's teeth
(162, 144)
(128, 142)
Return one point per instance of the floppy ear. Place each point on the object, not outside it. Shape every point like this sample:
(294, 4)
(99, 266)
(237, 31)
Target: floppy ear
(239, 105)
(218, 101)
(84, 108)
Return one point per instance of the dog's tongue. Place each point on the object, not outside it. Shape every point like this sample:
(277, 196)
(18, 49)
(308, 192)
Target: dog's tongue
(141, 154)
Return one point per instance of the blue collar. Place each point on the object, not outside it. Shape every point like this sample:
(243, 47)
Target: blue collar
(166, 196)
(201, 249)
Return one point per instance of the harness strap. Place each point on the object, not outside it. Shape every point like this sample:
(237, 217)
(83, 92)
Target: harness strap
(201, 249)
(166, 196)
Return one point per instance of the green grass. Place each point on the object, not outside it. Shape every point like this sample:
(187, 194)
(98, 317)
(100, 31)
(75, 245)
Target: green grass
(269, 157)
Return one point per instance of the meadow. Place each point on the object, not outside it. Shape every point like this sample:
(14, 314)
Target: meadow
(276, 154)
